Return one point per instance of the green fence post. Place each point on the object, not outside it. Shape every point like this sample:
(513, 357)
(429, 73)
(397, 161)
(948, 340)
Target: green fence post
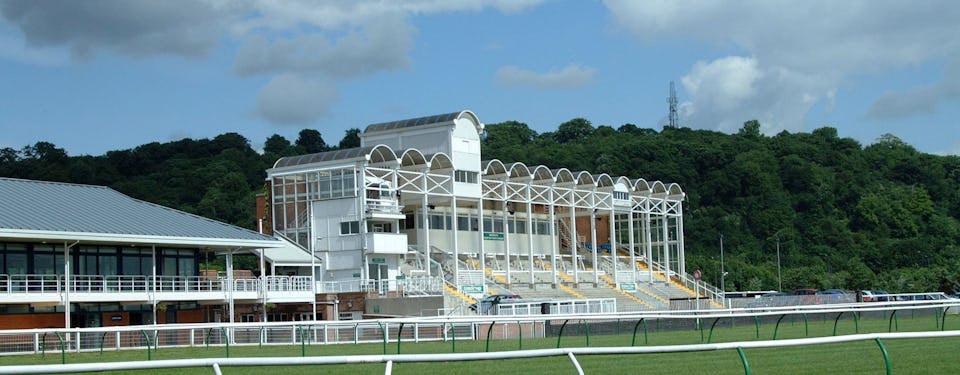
(806, 325)
(303, 341)
(856, 322)
(560, 335)
(520, 333)
(489, 332)
(634, 340)
(226, 340)
(399, 334)
(384, 332)
(756, 322)
(890, 323)
(453, 336)
(743, 358)
(43, 346)
(103, 338)
(63, 348)
(587, 325)
(837, 320)
(710, 338)
(886, 357)
(777, 328)
(144, 333)
(943, 319)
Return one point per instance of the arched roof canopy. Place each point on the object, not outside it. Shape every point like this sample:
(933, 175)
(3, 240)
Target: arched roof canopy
(518, 170)
(641, 186)
(585, 178)
(381, 154)
(355, 153)
(563, 176)
(674, 190)
(412, 158)
(447, 118)
(440, 161)
(604, 180)
(494, 168)
(541, 173)
(658, 188)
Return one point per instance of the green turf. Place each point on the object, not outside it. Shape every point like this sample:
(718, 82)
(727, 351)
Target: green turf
(908, 356)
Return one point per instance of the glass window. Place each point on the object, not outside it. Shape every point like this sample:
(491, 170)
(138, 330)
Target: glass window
(521, 226)
(17, 263)
(436, 221)
(463, 222)
(350, 227)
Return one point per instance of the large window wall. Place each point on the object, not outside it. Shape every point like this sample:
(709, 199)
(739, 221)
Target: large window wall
(292, 192)
(47, 259)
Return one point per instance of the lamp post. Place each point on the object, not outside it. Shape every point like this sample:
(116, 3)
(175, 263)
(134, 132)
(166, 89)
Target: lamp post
(779, 279)
(723, 273)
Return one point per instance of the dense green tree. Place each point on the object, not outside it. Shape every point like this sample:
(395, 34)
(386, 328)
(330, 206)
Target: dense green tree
(351, 139)
(311, 141)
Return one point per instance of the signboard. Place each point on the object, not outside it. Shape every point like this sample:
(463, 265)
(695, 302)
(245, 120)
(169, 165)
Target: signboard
(697, 275)
(472, 289)
(493, 236)
(630, 287)
(378, 260)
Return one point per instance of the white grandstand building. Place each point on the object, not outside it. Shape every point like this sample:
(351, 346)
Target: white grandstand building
(417, 202)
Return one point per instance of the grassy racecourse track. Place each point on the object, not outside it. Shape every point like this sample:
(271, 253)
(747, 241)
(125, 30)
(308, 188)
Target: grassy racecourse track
(908, 356)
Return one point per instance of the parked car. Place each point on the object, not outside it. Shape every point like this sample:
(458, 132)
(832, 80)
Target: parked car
(867, 296)
(486, 305)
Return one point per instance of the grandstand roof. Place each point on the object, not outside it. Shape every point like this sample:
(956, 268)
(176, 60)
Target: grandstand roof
(42, 210)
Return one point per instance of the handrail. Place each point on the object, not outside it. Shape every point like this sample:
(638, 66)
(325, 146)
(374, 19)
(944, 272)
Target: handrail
(448, 357)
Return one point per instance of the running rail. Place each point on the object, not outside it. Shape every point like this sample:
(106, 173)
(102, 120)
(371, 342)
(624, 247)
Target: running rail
(216, 363)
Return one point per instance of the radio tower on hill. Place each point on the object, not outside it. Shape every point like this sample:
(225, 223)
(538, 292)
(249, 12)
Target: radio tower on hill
(672, 100)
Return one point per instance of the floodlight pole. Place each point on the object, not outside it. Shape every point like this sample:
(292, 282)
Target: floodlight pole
(779, 279)
(722, 272)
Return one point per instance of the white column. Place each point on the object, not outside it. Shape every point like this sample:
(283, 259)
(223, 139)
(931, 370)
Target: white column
(313, 263)
(66, 285)
(680, 246)
(573, 236)
(506, 237)
(648, 233)
(456, 245)
(530, 232)
(613, 245)
(230, 283)
(153, 283)
(633, 249)
(425, 238)
(483, 254)
(666, 245)
(554, 243)
(593, 243)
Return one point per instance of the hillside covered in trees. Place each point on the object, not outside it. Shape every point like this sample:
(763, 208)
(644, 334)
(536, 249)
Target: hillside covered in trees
(845, 215)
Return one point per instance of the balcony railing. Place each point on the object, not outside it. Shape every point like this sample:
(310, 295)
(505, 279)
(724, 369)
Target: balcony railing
(10, 284)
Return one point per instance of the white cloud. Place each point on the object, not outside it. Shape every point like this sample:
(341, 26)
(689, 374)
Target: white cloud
(807, 47)
(728, 91)
(300, 42)
(133, 28)
(290, 99)
(571, 76)
(376, 47)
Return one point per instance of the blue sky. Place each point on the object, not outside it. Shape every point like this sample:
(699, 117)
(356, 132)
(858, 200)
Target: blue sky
(103, 75)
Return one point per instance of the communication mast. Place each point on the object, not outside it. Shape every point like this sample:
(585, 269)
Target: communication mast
(672, 100)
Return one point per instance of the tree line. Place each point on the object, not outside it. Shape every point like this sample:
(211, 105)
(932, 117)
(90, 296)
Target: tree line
(843, 215)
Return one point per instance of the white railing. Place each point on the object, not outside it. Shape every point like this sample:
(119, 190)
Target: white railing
(38, 284)
(383, 330)
(417, 286)
(558, 307)
(214, 364)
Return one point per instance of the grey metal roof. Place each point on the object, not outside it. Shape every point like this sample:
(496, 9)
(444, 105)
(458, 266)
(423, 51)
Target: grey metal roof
(420, 121)
(30, 206)
(344, 154)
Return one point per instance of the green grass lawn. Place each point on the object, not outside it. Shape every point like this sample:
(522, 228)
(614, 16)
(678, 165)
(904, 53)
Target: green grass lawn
(908, 356)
